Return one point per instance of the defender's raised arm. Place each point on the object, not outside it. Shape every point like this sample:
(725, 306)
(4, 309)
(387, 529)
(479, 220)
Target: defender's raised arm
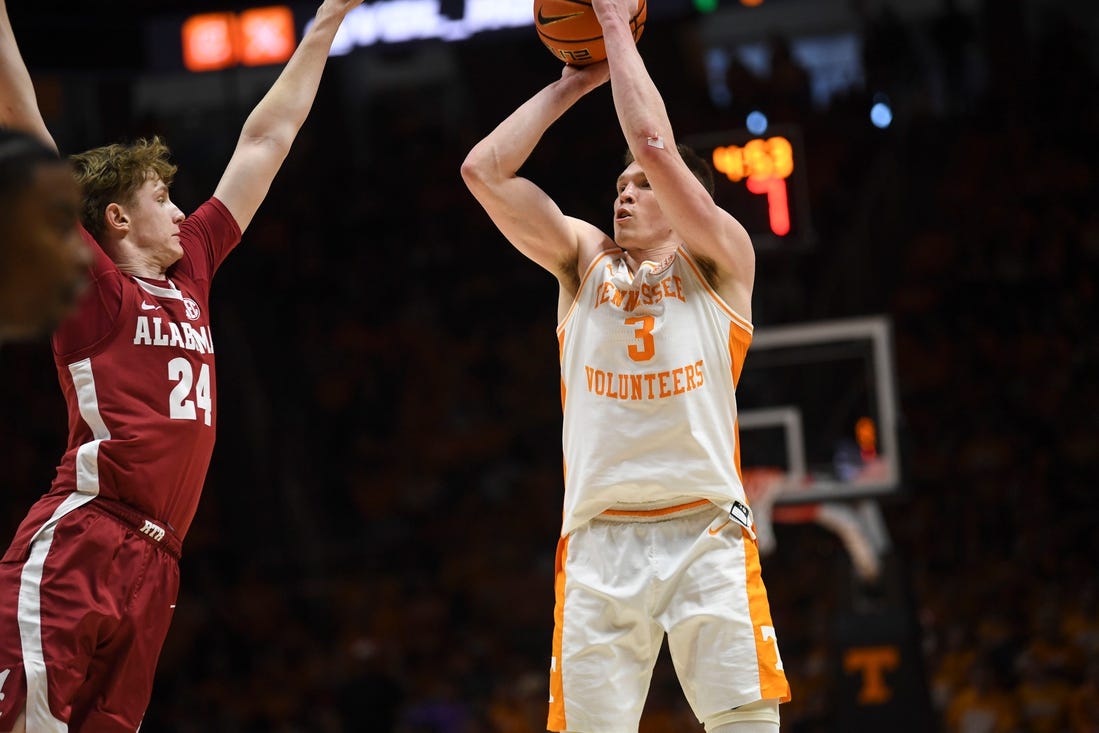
(270, 129)
(18, 104)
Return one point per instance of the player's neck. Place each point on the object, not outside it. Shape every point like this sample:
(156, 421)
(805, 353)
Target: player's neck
(137, 262)
(661, 255)
(144, 270)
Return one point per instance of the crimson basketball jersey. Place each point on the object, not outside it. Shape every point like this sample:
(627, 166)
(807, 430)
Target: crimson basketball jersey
(649, 365)
(136, 366)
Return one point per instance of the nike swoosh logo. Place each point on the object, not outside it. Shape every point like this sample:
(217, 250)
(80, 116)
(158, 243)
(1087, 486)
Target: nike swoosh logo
(551, 19)
(723, 526)
(147, 307)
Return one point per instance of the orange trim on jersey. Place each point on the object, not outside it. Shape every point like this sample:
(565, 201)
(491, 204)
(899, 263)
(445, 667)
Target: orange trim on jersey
(556, 718)
(739, 319)
(583, 282)
(772, 680)
(561, 358)
(656, 512)
(738, 351)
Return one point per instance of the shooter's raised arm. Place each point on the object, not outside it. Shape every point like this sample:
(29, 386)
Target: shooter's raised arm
(522, 211)
(707, 229)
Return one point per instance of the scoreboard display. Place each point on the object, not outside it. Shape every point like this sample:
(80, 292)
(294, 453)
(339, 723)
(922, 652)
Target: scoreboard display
(761, 181)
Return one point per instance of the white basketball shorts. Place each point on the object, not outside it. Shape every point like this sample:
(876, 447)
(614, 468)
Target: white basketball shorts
(623, 581)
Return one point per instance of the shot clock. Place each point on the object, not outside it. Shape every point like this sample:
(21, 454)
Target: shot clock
(761, 181)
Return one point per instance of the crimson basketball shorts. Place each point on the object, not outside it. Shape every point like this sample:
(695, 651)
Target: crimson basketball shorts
(83, 615)
(623, 582)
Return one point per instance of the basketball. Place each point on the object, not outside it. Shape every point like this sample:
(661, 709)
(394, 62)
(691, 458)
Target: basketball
(572, 33)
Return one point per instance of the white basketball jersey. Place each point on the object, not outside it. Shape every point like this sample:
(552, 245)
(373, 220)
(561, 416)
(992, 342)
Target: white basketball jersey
(649, 364)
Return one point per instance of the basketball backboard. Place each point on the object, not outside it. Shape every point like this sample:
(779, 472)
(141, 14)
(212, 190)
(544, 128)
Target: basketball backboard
(818, 401)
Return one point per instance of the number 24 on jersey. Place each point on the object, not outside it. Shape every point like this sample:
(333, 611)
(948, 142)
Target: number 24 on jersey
(180, 404)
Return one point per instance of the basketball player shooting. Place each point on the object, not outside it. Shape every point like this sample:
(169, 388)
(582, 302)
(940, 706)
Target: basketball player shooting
(654, 326)
(88, 585)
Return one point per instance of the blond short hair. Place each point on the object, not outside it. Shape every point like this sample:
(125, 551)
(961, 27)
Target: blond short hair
(113, 173)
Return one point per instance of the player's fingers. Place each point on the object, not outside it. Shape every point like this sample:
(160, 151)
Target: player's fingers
(593, 74)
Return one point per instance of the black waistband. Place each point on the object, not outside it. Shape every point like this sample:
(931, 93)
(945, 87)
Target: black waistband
(153, 531)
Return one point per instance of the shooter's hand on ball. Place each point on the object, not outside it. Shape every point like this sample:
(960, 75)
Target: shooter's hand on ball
(591, 76)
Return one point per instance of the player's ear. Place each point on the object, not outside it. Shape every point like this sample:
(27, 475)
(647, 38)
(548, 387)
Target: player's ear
(116, 219)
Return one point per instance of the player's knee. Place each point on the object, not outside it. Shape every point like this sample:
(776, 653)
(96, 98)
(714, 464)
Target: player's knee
(760, 716)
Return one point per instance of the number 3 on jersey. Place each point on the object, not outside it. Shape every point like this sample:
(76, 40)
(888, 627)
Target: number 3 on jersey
(645, 349)
(180, 404)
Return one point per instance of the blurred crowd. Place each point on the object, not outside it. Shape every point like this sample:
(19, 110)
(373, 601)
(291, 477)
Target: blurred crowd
(375, 546)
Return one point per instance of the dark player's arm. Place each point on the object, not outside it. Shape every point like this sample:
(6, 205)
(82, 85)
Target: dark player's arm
(707, 229)
(18, 104)
(101, 301)
(522, 211)
(270, 129)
